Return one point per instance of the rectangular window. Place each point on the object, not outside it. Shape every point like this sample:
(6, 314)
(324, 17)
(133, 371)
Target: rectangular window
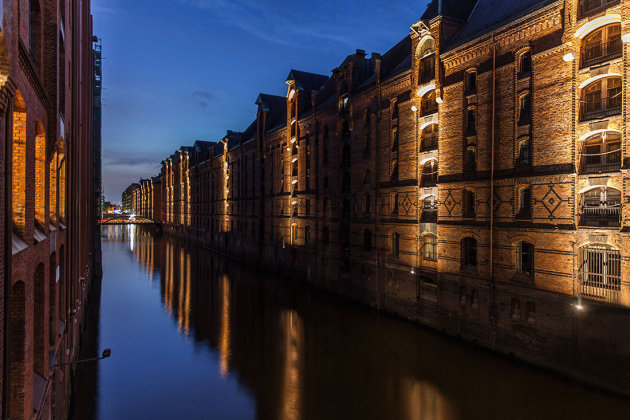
(430, 248)
(469, 204)
(525, 110)
(471, 128)
(471, 83)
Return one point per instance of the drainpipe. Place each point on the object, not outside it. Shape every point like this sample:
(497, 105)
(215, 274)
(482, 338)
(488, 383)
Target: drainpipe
(493, 315)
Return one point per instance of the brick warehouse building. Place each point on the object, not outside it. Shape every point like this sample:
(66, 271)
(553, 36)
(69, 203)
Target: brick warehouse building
(474, 178)
(47, 199)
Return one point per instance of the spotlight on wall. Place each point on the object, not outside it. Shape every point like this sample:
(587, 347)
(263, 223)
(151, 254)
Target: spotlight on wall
(414, 108)
(568, 57)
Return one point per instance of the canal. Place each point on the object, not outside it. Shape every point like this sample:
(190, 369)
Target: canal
(198, 336)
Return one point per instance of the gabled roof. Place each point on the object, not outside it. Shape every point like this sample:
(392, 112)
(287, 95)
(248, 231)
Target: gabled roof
(277, 108)
(306, 81)
(489, 15)
(454, 9)
(397, 59)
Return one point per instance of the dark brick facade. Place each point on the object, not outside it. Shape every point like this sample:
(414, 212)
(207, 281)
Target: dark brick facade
(473, 178)
(46, 199)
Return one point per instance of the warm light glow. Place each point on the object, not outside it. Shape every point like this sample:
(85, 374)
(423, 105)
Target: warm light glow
(568, 57)
(438, 99)
(414, 108)
(294, 160)
(625, 38)
(294, 181)
(589, 27)
(579, 307)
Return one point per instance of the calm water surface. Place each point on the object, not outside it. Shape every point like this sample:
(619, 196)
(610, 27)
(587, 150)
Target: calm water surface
(194, 335)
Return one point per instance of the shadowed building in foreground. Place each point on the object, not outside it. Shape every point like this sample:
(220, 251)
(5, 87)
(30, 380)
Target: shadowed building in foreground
(48, 199)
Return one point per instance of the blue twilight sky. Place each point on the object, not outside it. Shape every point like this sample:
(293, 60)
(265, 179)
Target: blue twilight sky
(180, 70)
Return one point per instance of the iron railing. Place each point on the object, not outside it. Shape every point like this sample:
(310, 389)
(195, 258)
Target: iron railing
(604, 216)
(429, 142)
(601, 108)
(600, 52)
(601, 162)
(600, 274)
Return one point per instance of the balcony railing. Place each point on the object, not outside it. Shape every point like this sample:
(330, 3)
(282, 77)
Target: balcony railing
(429, 179)
(601, 108)
(429, 142)
(601, 216)
(599, 53)
(588, 7)
(429, 107)
(429, 216)
(601, 162)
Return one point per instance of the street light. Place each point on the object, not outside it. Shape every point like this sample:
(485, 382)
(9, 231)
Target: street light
(106, 354)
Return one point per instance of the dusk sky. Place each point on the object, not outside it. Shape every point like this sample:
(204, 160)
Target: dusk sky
(180, 70)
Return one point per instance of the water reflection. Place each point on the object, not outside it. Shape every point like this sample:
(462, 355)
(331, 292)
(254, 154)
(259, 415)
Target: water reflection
(252, 345)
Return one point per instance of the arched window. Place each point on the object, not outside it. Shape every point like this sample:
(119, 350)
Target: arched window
(430, 137)
(525, 109)
(429, 173)
(18, 168)
(601, 98)
(426, 65)
(600, 273)
(429, 248)
(471, 126)
(602, 152)
(470, 166)
(469, 252)
(367, 240)
(471, 82)
(429, 103)
(525, 64)
(40, 175)
(601, 207)
(524, 154)
(395, 244)
(602, 45)
(394, 174)
(525, 259)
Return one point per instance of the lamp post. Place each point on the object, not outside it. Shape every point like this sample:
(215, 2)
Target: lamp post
(106, 354)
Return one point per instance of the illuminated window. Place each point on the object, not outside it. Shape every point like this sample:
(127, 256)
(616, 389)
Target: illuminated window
(429, 248)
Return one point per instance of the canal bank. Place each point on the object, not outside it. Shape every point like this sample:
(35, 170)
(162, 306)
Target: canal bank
(197, 335)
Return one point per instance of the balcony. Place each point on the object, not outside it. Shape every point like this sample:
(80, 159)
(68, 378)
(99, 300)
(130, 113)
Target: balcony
(429, 215)
(429, 107)
(589, 7)
(601, 162)
(429, 142)
(604, 216)
(600, 108)
(601, 52)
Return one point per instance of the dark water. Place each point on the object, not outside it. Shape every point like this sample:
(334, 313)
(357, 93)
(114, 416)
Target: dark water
(194, 335)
